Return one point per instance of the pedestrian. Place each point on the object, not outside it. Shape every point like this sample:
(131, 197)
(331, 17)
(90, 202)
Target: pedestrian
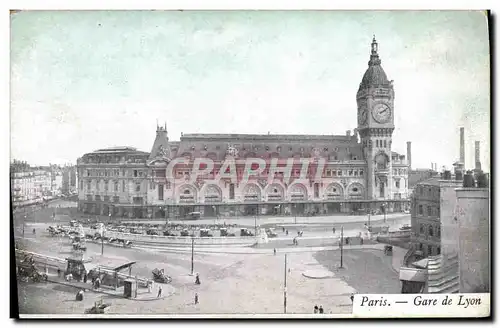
(316, 309)
(321, 309)
(287, 232)
(275, 251)
(85, 277)
(196, 298)
(159, 292)
(333, 229)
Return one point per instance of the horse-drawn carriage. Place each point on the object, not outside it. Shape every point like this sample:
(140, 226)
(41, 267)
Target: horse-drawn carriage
(159, 276)
(27, 271)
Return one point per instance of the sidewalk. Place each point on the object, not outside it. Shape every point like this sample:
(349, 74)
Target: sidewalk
(142, 293)
(292, 220)
(260, 251)
(398, 255)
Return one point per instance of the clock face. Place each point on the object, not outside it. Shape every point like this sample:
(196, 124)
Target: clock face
(381, 113)
(363, 117)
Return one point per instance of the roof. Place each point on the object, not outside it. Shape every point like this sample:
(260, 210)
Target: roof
(116, 149)
(114, 264)
(374, 75)
(264, 137)
(215, 146)
(431, 182)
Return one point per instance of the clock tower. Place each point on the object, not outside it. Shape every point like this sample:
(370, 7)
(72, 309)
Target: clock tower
(375, 100)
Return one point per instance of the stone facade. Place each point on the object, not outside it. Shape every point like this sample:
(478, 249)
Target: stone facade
(347, 173)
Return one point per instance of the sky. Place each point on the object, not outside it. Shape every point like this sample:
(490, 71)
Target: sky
(86, 80)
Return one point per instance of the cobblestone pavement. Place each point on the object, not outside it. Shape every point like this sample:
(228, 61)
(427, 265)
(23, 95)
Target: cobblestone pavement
(231, 283)
(369, 271)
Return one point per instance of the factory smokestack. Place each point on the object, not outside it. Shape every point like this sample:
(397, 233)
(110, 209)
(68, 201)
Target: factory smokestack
(408, 154)
(462, 147)
(478, 155)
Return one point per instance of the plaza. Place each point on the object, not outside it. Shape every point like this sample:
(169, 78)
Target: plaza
(242, 280)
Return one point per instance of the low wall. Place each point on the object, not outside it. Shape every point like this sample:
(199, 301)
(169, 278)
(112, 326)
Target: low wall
(179, 241)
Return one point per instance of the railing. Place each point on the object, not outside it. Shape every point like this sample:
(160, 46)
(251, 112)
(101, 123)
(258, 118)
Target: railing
(166, 240)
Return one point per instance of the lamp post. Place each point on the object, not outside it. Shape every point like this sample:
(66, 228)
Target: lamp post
(342, 247)
(255, 224)
(192, 255)
(215, 212)
(284, 289)
(384, 207)
(103, 230)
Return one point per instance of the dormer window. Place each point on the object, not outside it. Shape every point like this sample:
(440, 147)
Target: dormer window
(325, 149)
(192, 148)
(290, 149)
(205, 147)
(278, 149)
(267, 148)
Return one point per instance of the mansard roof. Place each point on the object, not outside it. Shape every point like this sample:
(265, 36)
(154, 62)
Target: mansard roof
(214, 146)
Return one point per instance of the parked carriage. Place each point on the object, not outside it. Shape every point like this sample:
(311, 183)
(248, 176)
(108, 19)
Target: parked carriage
(159, 276)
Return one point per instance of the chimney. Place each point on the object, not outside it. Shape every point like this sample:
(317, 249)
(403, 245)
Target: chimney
(462, 147)
(408, 153)
(478, 155)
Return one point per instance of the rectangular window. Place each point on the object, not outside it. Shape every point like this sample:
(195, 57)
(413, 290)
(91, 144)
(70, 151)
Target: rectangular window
(316, 190)
(116, 186)
(137, 187)
(361, 172)
(123, 186)
(97, 198)
(231, 191)
(438, 250)
(167, 185)
(160, 192)
(105, 185)
(429, 250)
(160, 173)
(355, 173)
(420, 210)
(422, 228)
(334, 173)
(397, 184)
(135, 173)
(116, 199)
(339, 173)
(429, 211)
(106, 198)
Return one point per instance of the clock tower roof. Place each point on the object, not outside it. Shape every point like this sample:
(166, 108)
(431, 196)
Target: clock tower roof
(374, 75)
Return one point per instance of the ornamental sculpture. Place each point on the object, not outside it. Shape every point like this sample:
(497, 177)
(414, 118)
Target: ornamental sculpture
(231, 151)
(162, 152)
